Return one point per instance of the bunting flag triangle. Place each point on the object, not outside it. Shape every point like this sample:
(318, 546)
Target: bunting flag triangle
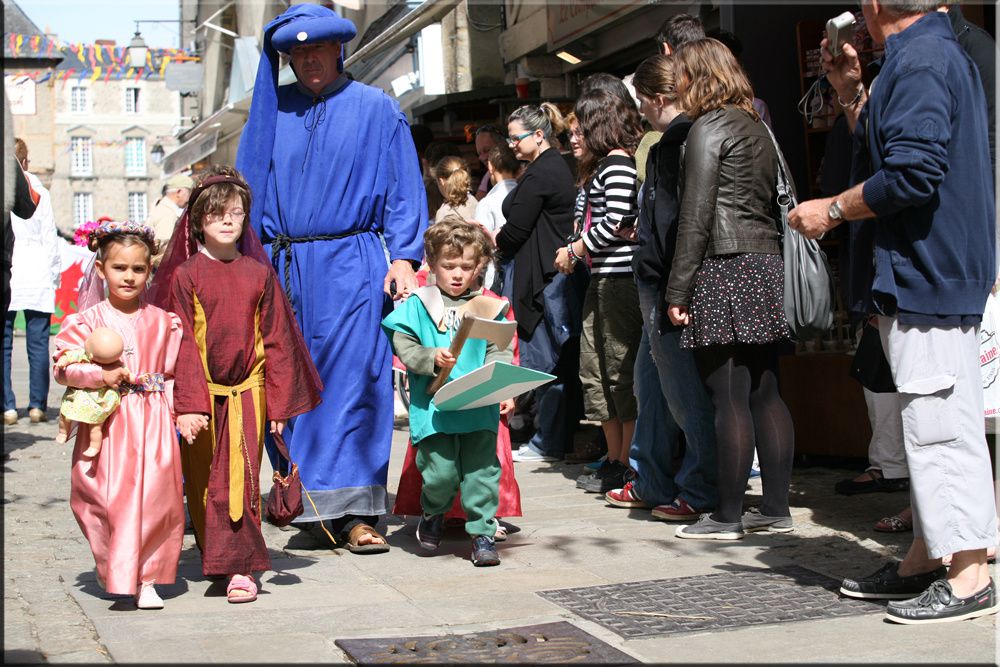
(163, 64)
(96, 75)
(47, 76)
(18, 43)
(108, 75)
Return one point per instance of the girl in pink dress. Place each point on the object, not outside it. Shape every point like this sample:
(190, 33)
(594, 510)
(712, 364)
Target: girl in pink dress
(127, 500)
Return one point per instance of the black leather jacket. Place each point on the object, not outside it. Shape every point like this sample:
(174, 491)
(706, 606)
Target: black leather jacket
(729, 201)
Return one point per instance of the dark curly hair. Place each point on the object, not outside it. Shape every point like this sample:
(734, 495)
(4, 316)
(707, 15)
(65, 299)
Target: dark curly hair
(607, 122)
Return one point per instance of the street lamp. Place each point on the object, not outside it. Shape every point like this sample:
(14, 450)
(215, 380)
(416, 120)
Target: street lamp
(137, 49)
(157, 154)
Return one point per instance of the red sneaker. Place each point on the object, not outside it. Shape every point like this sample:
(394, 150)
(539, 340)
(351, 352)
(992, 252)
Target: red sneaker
(625, 497)
(679, 510)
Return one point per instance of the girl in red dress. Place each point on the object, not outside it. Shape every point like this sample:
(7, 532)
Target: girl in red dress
(242, 365)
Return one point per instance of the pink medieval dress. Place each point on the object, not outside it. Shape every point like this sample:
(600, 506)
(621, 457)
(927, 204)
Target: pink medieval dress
(128, 499)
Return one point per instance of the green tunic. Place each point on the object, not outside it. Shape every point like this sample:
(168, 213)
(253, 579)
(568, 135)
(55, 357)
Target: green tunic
(415, 336)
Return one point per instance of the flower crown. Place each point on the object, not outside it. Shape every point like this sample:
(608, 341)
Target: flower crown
(112, 227)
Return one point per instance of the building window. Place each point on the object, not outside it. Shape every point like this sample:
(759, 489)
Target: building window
(78, 100)
(131, 100)
(137, 206)
(135, 156)
(83, 207)
(82, 149)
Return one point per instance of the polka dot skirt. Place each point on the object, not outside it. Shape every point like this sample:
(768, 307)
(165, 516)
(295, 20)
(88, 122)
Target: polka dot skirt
(737, 299)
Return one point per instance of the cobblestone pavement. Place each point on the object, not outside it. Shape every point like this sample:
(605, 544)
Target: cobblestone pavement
(55, 612)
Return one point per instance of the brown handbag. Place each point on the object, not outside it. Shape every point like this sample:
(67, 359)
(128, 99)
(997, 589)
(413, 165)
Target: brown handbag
(284, 503)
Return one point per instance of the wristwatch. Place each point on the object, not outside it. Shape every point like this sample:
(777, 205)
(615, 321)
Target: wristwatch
(835, 212)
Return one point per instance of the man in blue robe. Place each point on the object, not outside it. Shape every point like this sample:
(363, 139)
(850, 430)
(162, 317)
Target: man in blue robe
(335, 180)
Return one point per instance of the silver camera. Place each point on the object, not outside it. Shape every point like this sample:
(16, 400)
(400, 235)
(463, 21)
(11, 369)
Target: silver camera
(839, 30)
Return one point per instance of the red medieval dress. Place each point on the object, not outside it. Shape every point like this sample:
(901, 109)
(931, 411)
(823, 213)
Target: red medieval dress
(238, 364)
(410, 481)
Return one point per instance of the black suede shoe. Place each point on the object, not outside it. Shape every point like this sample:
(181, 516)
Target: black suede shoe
(938, 604)
(874, 484)
(484, 551)
(589, 477)
(886, 584)
(429, 531)
(612, 477)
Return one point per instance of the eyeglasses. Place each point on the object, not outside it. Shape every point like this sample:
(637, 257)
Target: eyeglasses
(236, 216)
(517, 137)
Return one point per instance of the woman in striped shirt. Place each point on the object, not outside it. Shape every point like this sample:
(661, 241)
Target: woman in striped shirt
(612, 322)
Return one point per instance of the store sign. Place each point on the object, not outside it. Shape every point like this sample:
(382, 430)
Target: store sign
(20, 94)
(570, 20)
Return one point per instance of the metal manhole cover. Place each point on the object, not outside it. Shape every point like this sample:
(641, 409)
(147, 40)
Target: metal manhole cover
(548, 643)
(711, 602)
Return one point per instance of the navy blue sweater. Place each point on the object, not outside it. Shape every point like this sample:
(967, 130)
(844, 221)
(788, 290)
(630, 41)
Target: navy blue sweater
(931, 186)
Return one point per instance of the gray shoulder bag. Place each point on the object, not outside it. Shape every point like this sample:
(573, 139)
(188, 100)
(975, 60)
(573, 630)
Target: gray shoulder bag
(809, 292)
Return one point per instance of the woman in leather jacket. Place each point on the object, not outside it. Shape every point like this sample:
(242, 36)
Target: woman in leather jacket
(726, 287)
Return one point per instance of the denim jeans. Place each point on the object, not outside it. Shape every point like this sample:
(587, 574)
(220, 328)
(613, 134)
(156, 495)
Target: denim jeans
(37, 341)
(671, 399)
(554, 347)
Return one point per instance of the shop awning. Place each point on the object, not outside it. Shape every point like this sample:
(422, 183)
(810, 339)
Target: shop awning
(203, 138)
(430, 11)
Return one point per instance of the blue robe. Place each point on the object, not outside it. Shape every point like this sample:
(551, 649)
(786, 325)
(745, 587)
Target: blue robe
(342, 165)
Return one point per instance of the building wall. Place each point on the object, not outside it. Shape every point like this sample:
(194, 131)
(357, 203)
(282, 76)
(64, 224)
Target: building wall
(104, 120)
(36, 129)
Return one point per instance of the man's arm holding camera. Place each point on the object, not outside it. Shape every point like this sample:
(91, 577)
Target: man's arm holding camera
(844, 74)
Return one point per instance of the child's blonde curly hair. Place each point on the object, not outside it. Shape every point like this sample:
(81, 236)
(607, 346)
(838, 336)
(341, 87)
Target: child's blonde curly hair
(452, 235)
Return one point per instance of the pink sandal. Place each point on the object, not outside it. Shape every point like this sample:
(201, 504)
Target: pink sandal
(240, 582)
(893, 524)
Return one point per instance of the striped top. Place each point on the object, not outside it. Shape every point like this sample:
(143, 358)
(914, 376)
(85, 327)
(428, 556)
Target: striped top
(612, 196)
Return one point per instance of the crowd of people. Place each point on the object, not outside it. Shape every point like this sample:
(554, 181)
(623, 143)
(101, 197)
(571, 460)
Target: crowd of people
(636, 241)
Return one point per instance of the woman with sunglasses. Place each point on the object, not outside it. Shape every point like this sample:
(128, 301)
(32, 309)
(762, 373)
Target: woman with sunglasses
(547, 304)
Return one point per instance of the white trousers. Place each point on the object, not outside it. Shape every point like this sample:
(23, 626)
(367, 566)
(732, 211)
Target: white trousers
(886, 451)
(936, 370)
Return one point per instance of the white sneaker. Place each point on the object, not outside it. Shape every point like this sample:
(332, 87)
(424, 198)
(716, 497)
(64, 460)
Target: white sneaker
(526, 453)
(10, 417)
(148, 597)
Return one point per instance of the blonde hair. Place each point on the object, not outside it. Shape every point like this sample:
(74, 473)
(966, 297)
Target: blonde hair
(709, 78)
(545, 117)
(457, 179)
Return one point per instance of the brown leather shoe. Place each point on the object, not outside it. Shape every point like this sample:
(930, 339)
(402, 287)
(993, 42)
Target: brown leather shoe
(36, 415)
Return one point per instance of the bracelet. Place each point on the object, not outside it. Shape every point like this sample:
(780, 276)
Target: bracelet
(572, 253)
(857, 98)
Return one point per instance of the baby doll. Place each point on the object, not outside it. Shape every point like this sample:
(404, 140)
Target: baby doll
(90, 406)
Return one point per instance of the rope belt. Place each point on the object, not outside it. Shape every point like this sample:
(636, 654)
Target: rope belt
(239, 457)
(282, 244)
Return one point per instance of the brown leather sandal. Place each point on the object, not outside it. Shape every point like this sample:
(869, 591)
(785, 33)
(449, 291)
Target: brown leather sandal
(353, 540)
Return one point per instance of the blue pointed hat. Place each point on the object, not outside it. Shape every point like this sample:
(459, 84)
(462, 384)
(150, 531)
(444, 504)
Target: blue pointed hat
(317, 24)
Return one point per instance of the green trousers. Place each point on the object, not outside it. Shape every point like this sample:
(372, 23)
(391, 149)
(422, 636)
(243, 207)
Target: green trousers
(465, 462)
